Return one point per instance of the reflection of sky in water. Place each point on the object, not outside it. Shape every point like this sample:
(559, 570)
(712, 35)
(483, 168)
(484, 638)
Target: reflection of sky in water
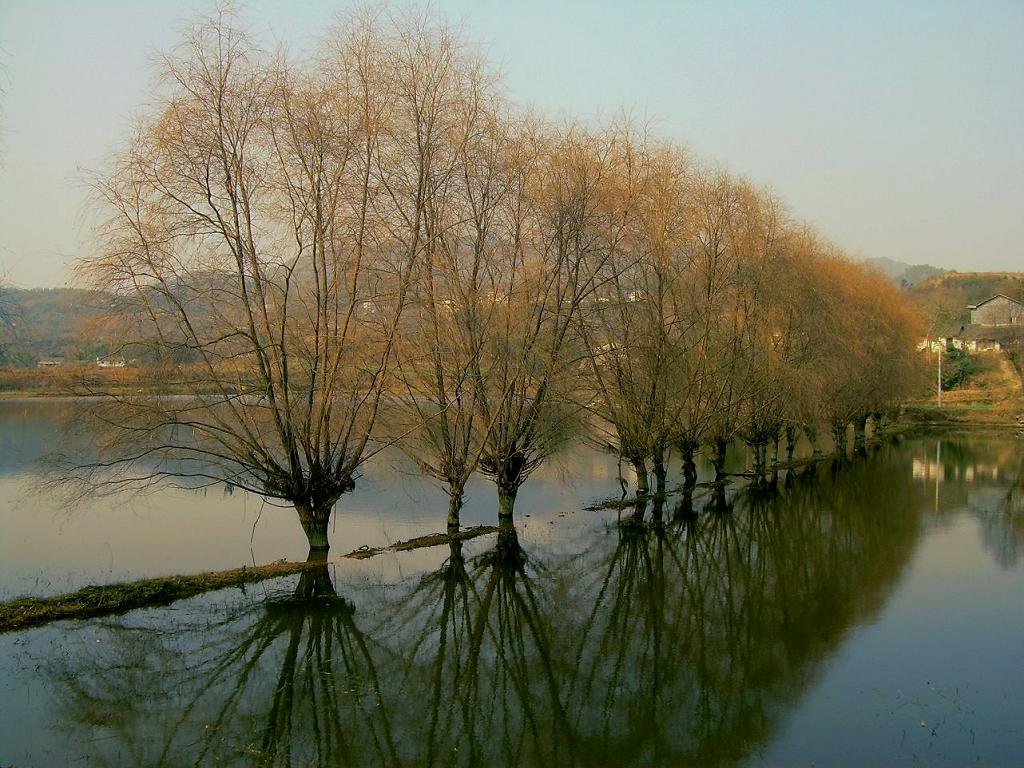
(47, 548)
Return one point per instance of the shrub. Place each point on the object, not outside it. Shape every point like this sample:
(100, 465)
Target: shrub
(957, 366)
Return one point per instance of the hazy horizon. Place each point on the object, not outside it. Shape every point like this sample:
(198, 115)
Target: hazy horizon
(895, 130)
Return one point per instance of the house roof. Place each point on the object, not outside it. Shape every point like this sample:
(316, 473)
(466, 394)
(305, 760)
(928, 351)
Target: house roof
(1000, 333)
(993, 298)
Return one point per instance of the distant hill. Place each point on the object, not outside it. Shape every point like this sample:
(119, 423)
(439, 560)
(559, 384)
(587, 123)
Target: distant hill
(902, 273)
(48, 323)
(975, 286)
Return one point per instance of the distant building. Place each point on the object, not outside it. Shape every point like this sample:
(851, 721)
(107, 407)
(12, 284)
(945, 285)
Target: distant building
(998, 310)
(983, 338)
(110, 362)
(49, 363)
(970, 338)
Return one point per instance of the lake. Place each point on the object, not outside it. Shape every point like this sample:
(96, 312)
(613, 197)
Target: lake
(870, 615)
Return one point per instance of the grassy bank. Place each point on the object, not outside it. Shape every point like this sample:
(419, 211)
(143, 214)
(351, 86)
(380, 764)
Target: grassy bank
(71, 379)
(119, 598)
(430, 540)
(87, 378)
(991, 395)
(964, 415)
(111, 599)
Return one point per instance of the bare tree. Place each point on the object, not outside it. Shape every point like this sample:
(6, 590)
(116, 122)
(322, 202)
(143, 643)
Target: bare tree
(558, 241)
(767, 347)
(636, 327)
(716, 289)
(453, 312)
(263, 229)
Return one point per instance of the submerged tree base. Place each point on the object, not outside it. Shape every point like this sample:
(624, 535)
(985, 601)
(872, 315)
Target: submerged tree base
(93, 601)
(113, 599)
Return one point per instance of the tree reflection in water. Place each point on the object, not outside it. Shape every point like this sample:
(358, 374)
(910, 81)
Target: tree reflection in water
(704, 631)
(479, 639)
(672, 639)
(289, 680)
(327, 702)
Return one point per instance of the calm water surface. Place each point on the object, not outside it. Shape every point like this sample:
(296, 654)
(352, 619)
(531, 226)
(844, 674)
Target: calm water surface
(871, 616)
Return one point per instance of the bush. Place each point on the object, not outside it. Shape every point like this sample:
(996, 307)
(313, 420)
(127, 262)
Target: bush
(957, 366)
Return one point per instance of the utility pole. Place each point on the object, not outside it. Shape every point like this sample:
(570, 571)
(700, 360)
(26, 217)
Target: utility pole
(939, 378)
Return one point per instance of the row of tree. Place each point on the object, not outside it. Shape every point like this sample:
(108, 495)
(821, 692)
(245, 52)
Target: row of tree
(374, 247)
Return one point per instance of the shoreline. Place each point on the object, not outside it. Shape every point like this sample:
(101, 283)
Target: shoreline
(985, 415)
(913, 413)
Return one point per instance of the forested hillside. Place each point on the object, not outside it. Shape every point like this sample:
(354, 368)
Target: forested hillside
(944, 298)
(48, 323)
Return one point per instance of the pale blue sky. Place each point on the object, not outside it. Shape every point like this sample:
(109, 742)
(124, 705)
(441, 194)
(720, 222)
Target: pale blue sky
(896, 127)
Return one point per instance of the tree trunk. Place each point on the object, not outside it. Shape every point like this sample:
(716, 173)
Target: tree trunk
(314, 523)
(643, 484)
(775, 460)
(718, 451)
(812, 436)
(860, 429)
(456, 560)
(455, 502)
(839, 439)
(506, 503)
(660, 472)
(688, 448)
(658, 510)
(508, 554)
(639, 511)
(878, 426)
(792, 434)
(760, 449)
